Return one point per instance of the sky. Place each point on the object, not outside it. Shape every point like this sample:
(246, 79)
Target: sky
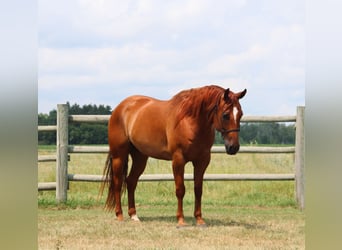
(101, 51)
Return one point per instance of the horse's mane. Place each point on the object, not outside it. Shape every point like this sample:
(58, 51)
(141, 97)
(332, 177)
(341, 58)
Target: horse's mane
(194, 102)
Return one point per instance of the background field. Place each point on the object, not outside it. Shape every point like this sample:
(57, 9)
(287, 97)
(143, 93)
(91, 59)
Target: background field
(239, 214)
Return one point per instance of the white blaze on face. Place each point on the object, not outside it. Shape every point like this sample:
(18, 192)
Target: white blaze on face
(235, 113)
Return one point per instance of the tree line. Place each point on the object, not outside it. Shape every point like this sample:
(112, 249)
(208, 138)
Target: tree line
(79, 133)
(84, 133)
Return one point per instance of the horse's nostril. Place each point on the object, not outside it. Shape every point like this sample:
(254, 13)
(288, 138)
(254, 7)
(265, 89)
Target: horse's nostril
(232, 149)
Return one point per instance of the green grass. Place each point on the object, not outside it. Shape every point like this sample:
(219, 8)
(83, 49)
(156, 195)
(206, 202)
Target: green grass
(43, 148)
(232, 193)
(239, 214)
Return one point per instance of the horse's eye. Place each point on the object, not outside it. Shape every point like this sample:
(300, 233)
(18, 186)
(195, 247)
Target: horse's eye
(225, 116)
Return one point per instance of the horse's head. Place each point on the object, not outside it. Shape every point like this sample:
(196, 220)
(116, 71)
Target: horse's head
(228, 115)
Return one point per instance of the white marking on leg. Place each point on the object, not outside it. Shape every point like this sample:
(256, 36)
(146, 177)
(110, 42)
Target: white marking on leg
(134, 217)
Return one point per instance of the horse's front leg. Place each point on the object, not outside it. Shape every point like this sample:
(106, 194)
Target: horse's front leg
(178, 173)
(199, 168)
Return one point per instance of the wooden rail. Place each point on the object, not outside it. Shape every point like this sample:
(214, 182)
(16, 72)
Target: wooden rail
(214, 149)
(264, 118)
(190, 177)
(62, 176)
(169, 177)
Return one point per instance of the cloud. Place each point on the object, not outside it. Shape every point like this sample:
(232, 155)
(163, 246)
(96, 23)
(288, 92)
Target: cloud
(127, 63)
(233, 63)
(92, 48)
(101, 23)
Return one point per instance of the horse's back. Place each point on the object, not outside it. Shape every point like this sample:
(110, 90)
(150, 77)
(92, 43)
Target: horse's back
(126, 112)
(142, 121)
(138, 106)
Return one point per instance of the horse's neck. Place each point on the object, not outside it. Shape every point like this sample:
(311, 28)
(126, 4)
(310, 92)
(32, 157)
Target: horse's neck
(204, 125)
(205, 131)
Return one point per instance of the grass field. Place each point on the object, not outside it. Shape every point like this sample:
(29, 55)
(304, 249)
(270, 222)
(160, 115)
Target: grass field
(239, 214)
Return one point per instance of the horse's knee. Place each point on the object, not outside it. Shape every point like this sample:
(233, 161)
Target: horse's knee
(198, 191)
(180, 191)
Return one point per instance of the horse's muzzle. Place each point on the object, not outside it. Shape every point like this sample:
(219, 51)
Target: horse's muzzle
(232, 149)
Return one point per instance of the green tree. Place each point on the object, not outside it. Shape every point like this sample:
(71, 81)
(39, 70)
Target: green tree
(263, 133)
(47, 137)
(79, 133)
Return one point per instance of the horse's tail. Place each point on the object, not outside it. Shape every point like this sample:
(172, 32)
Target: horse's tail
(108, 175)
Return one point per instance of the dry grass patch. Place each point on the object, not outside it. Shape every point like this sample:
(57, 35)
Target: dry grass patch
(228, 228)
(239, 214)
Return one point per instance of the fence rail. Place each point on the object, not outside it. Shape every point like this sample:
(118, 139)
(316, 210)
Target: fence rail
(190, 177)
(169, 177)
(47, 128)
(62, 176)
(264, 118)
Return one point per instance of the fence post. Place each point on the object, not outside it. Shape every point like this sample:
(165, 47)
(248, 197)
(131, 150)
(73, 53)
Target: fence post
(300, 157)
(62, 153)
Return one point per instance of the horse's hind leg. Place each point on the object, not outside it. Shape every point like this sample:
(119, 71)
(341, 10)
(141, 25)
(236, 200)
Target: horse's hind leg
(119, 164)
(178, 163)
(138, 166)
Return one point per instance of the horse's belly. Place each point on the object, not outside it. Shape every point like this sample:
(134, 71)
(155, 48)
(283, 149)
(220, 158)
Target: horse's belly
(147, 130)
(154, 150)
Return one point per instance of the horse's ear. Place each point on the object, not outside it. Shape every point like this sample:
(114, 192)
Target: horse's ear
(226, 95)
(242, 93)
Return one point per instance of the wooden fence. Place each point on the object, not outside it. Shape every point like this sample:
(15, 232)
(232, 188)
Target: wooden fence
(63, 148)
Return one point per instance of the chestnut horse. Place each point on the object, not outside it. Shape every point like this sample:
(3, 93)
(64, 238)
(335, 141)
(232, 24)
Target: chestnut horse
(181, 129)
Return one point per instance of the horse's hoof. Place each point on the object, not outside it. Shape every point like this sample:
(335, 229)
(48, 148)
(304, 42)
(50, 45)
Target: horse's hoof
(200, 222)
(135, 217)
(120, 217)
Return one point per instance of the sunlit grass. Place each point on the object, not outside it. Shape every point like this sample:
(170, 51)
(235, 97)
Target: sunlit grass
(239, 214)
(233, 193)
(228, 227)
